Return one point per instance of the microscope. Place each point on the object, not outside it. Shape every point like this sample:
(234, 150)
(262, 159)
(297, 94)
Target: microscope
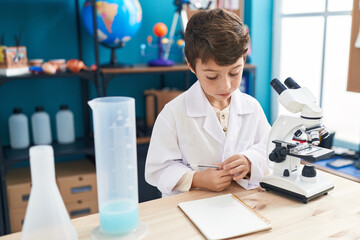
(294, 138)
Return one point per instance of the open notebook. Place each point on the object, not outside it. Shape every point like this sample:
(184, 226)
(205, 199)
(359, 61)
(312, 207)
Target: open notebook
(224, 216)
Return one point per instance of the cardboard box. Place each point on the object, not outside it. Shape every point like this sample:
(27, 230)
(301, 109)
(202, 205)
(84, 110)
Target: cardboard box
(76, 180)
(81, 207)
(13, 57)
(155, 101)
(17, 217)
(18, 183)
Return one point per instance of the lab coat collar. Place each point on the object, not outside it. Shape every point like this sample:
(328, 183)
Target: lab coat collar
(196, 102)
(239, 104)
(197, 105)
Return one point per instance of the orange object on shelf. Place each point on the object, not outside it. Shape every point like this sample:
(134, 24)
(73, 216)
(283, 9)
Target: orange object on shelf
(160, 29)
(75, 65)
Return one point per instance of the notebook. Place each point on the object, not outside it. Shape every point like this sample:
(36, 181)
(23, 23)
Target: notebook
(224, 216)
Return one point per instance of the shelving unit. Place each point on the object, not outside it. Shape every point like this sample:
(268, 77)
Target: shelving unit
(85, 145)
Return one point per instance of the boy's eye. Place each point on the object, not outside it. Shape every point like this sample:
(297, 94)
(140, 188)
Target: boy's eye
(234, 74)
(211, 78)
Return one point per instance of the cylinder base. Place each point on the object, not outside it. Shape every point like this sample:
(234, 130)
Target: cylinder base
(137, 233)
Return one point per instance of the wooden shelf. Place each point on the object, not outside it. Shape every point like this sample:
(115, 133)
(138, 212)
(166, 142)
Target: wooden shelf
(143, 140)
(143, 68)
(88, 75)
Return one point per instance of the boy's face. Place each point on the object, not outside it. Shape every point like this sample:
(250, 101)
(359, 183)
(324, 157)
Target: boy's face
(219, 82)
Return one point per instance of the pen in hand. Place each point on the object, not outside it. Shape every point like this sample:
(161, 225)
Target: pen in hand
(203, 165)
(199, 165)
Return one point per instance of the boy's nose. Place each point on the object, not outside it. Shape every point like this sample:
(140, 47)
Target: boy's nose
(226, 84)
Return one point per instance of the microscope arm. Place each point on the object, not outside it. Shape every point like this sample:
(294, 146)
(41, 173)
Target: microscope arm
(283, 130)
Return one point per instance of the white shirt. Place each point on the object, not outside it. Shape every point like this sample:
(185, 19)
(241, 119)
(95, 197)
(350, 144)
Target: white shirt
(187, 131)
(223, 117)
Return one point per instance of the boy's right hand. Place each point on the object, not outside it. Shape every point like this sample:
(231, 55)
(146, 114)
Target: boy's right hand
(212, 179)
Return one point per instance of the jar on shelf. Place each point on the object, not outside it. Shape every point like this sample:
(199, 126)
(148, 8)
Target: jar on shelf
(19, 130)
(65, 125)
(41, 128)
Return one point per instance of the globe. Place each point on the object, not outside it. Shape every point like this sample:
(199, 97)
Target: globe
(117, 20)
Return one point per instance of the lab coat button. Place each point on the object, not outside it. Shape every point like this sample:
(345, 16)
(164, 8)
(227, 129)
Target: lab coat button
(224, 129)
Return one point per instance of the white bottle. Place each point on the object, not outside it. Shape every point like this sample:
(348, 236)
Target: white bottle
(40, 123)
(46, 216)
(19, 130)
(65, 125)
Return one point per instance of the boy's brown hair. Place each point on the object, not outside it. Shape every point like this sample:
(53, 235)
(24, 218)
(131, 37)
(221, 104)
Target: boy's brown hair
(215, 34)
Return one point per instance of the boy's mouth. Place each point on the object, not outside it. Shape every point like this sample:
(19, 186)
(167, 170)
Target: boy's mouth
(224, 94)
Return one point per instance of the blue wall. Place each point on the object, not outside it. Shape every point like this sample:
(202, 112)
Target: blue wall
(49, 32)
(258, 16)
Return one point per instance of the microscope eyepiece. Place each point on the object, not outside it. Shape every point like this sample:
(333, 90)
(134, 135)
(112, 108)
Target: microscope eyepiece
(277, 86)
(291, 84)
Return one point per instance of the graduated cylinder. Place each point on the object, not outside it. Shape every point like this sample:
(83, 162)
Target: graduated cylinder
(116, 163)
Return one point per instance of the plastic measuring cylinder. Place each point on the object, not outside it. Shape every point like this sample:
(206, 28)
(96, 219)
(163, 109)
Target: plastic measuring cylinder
(116, 168)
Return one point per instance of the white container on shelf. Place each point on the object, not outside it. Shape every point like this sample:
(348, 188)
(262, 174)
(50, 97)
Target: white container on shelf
(46, 216)
(65, 125)
(19, 130)
(41, 129)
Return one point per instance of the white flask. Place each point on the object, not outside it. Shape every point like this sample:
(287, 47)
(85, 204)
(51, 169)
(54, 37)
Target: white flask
(46, 216)
(65, 125)
(19, 130)
(40, 123)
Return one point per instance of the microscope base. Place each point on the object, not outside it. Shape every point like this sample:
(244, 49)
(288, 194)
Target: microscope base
(297, 188)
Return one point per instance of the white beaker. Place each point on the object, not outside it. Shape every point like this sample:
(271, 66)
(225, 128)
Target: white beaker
(116, 168)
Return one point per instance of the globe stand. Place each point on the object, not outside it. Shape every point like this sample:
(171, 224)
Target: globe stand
(113, 59)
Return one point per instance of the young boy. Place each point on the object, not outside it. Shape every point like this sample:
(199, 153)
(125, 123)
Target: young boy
(212, 123)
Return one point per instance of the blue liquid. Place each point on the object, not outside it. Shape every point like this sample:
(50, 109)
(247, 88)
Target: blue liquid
(119, 217)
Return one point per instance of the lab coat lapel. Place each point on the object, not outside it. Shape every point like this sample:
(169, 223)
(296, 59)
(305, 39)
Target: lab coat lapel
(197, 105)
(238, 108)
(212, 126)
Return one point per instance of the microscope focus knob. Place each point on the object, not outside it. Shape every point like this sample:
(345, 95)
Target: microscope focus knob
(308, 171)
(278, 155)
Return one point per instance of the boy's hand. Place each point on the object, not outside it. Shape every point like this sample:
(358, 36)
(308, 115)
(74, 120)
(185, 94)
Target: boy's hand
(212, 179)
(237, 165)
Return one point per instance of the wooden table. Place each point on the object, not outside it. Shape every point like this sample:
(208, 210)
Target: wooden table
(334, 216)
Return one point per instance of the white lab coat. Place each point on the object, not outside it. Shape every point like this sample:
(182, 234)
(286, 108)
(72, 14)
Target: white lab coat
(187, 131)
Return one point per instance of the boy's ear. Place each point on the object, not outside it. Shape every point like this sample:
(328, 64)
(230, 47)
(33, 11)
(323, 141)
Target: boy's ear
(191, 69)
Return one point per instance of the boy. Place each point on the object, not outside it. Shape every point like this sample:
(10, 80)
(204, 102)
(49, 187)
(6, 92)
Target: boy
(212, 123)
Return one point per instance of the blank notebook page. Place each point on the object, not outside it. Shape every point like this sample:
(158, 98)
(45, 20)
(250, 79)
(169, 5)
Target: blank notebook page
(224, 216)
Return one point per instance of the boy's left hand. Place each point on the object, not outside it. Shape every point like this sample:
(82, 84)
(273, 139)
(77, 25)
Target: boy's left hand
(238, 165)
